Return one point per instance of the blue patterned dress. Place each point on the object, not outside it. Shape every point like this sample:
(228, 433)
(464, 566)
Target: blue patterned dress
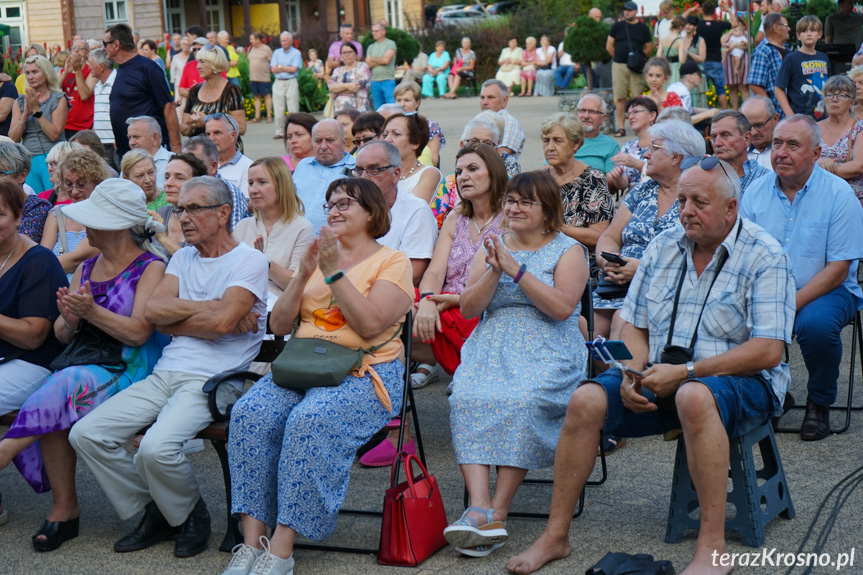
(519, 367)
(70, 394)
(641, 229)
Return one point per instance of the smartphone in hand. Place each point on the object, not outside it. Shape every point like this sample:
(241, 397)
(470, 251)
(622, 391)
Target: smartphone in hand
(610, 257)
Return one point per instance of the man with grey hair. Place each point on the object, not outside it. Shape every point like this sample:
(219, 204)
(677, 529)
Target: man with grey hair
(763, 118)
(598, 149)
(380, 58)
(413, 229)
(494, 96)
(730, 131)
(731, 382)
(222, 129)
(285, 64)
(212, 301)
(102, 69)
(205, 150)
(143, 133)
(313, 175)
(819, 221)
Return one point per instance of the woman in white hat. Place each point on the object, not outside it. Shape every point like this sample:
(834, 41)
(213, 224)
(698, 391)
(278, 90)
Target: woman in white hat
(108, 292)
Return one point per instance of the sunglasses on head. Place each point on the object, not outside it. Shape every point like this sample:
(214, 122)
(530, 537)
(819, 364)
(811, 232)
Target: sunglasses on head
(706, 163)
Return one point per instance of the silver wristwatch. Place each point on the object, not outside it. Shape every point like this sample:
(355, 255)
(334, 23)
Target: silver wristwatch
(690, 370)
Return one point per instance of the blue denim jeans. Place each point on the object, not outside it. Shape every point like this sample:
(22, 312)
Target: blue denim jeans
(563, 76)
(714, 71)
(382, 92)
(743, 403)
(818, 326)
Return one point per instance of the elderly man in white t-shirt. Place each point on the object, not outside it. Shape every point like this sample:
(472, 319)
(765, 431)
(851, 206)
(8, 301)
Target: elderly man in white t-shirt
(413, 229)
(212, 301)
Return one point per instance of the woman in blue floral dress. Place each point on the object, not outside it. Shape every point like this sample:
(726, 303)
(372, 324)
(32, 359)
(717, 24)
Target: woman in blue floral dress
(110, 291)
(522, 362)
(648, 210)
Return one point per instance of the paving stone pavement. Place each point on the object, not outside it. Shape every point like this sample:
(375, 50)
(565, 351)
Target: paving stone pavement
(627, 513)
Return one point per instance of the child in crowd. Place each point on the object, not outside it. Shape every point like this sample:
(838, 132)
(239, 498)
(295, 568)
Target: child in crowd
(803, 73)
(735, 61)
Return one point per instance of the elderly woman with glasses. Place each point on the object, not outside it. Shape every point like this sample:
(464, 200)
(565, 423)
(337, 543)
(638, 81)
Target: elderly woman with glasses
(81, 172)
(641, 112)
(349, 83)
(39, 118)
(214, 95)
(841, 146)
(583, 191)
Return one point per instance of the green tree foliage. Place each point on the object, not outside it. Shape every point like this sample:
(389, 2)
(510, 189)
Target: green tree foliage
(586, 41)
(313, 97)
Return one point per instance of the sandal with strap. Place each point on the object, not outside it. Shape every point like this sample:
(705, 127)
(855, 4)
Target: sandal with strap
(56, 533)
(481, 551)
(620, 133)
(466, 532)
(419, 380)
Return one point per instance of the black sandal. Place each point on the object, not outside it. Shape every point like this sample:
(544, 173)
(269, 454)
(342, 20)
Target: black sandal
(56, 533)
(620, 133)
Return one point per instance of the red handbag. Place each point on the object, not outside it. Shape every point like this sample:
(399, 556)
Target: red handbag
(414, 517)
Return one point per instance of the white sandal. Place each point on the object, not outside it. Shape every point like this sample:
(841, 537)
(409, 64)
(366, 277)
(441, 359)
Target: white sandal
(419, 380)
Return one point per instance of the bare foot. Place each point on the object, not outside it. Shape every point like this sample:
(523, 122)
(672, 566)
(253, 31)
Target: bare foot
(708, 561)
(542, 551)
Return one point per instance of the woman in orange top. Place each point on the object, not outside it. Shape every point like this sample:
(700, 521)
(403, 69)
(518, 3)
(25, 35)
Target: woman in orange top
(347, 289)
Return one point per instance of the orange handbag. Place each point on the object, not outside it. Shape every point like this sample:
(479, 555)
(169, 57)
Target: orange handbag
(414, 517)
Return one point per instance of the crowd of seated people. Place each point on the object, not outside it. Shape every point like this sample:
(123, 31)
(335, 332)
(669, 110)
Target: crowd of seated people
(183, 268)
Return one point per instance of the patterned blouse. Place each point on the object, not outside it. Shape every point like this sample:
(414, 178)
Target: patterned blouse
(645, 223)
(231, 100)
(586, 201)
(633, 149)
(463, 251)
(359, 74)
(839, 153)
(33, 217)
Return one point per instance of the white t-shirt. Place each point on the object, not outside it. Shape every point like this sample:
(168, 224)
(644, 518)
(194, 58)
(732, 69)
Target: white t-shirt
(238, 172)
(663, 27)
(681, 90)
(161, 160)
(563, 59)
(413, 229)
(763, 157)
(203, 279)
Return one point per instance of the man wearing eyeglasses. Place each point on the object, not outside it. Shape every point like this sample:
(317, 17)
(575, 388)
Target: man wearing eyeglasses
(222, 129)
(763, 118)
(139, 89)
(730, 133)
(212, 302)
(413, 229)
(330, 162)
(724, 280)
(817, 218)
(598, 149)
(205, 150)
(767, 58)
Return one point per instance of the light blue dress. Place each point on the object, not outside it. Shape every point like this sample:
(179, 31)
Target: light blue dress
(519, 367)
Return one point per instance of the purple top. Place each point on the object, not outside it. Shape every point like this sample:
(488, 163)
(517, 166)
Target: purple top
(463, 251)
(117, 295)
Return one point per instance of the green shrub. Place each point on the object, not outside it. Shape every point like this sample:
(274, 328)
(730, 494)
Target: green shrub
(313, 97)
(407, 47)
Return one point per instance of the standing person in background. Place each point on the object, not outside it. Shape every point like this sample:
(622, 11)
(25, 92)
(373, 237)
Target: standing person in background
(381, 61)
(285, 64)
(259, 75)
(767, 59)
(102, 69)
(626, 37)
(139, 89)
(178, 62)
(735, 63)
(148, 50)
(77, 82)
(663, 25)
(233, 58)
(712, 30)
(8, 95)
(803, 73)
(844, 26)
(334, 58)
(693, 50)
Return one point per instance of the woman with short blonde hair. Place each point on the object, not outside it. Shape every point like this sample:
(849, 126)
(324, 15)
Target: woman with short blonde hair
(213, 96)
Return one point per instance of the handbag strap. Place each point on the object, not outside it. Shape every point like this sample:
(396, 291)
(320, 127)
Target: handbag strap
(722, 261)
(408, 459)
(370, 350)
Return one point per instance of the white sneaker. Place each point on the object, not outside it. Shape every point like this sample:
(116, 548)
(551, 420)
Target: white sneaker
(269, 564)
(192, 446)
(244, 559)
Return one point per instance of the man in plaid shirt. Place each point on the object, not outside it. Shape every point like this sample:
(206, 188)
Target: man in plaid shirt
(767, 58)
(737, 279)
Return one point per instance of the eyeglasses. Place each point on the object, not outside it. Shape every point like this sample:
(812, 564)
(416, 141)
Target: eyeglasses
(591, 112)
(81, 185)
(475, 142)
(634, 112)
(707, 163)
(523, 203)
(5, 173)
(836, 96)
(341, 205)
(106, 43)
(760, 125)
(363, 141)
(370, 171)
(654, 146)
(193, 210)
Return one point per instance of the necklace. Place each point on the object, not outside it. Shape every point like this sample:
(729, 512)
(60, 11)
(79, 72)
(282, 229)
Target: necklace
(480, 229)
(408, 175)
(6, 261)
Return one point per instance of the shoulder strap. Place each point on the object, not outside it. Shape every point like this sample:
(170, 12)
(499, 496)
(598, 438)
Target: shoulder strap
(61, 229)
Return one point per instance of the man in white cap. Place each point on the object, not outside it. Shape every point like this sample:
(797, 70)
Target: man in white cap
(212, 302)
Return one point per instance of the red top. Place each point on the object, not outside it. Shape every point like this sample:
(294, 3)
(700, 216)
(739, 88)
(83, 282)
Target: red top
(671, 100)
(80, 111)
(191, 77)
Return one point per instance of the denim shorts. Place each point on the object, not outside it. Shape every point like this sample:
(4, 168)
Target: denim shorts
(714, 71)
(260, 88)
(744, 403)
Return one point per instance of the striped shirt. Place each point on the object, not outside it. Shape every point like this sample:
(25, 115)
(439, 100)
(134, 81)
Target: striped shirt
(753, 297)
(102, 109)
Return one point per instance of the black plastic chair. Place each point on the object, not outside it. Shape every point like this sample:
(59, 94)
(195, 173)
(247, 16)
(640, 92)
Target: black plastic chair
(587, 313)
